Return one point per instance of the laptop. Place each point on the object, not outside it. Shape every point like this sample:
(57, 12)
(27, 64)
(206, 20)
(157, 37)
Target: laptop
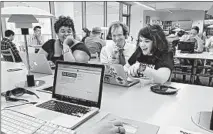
(38, 63)
(115, 74)
(186, 47)
(76, 97)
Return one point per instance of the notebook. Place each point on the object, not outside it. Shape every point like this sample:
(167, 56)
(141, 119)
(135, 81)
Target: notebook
(115, 74)
(38, 63)
(76, 96)
(130, 126)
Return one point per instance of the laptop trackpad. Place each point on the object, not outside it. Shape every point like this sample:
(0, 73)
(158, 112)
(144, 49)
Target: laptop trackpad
(50, 115)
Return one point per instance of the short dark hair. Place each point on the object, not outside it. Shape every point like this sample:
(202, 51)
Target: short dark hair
(66, 22)
(196, 28)
(180, 33)
(154, 33)
(118, 24)
(8, 33)
(39, 27)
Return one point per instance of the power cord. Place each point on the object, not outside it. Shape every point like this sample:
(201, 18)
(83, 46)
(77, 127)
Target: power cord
(33, 103)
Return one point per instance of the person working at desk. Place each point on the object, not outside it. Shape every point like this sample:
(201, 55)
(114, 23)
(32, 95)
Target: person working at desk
(36, 38)
(193, 36)
(7, 43)
(65, 47)
(94, 43)
(152, 57)
(118, 51)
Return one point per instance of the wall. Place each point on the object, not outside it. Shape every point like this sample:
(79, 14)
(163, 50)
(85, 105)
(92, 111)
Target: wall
(136, 20)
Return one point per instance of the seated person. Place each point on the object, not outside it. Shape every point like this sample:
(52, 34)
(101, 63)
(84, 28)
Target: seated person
(193, 37)
(7, 43)
(94, 42)
(65, 47)
(152, 57)
(118, 51)
(209, 44)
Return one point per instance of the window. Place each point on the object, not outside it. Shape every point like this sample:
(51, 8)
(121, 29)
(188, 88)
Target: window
(112, 12)
(94, 14)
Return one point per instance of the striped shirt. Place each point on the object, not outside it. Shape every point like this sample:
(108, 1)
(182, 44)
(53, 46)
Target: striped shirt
(6, 44)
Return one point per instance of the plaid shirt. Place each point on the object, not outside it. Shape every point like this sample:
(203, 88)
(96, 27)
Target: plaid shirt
(6, 44)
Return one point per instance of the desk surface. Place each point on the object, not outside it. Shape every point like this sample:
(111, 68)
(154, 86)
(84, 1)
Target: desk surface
(203, 55)
(137, 103)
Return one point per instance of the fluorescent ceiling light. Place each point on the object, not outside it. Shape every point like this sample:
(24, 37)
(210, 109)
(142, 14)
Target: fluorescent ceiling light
(149, 7)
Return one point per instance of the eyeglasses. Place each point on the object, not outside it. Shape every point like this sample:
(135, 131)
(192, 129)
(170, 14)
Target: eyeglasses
(18, 92)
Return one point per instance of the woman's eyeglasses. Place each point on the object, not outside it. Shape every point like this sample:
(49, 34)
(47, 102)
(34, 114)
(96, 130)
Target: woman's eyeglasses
(17, 92)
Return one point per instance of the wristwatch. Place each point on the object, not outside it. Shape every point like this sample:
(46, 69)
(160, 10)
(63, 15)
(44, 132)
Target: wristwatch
(142, 67)
(66, 50)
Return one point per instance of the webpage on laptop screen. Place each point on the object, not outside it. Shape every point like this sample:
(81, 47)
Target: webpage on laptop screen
(78, 82)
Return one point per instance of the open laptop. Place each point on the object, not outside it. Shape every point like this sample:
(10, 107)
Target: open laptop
(186, 47)
(76, 97)
(38, 63)
(115, 74)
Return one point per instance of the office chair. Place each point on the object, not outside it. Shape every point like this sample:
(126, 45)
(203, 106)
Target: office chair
(8, 55)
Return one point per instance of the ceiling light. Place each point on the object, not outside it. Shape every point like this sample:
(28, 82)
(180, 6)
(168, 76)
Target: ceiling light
(149, 7)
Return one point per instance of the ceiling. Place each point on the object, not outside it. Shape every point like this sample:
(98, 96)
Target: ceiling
(177, 5)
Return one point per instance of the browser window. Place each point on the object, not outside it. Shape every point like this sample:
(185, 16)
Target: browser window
(78, 82)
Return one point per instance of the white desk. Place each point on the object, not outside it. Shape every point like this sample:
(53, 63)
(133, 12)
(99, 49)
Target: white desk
(143, 105)
(203, 55)
(195, 57)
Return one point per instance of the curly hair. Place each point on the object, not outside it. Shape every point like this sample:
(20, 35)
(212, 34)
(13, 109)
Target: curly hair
(116, 25)
(154, 33)
(64, 21)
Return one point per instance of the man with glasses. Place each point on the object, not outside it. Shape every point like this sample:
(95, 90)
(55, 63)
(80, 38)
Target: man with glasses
(118, 50)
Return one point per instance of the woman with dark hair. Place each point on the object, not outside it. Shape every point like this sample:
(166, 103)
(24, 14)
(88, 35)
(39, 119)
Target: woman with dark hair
(86, 33)
(65, 47)
(152, 57)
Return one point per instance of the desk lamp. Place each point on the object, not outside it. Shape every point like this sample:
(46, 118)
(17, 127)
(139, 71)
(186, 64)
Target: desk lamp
(23, 17)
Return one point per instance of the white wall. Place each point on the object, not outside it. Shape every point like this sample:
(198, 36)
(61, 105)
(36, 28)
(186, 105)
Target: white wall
(138, 17)
(136, 20)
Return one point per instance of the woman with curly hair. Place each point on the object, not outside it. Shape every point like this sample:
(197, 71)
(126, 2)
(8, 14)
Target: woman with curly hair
(66, 47)
(86, 33)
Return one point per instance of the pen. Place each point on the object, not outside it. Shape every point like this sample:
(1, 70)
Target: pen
(15, 69)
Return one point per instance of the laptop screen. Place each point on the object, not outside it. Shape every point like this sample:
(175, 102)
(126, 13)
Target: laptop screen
(78, 82)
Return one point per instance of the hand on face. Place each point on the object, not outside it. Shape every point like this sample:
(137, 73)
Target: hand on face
(69, 41)
(120, 43)
(115, 127)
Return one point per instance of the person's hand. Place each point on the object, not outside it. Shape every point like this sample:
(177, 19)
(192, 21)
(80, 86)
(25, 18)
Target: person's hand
(133, 70)
(109, 127)
(120, 43)
(69, 41)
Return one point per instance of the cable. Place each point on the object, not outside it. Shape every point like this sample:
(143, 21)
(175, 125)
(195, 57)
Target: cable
(22, 104)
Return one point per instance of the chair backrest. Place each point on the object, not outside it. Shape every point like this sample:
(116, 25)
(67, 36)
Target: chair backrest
(8, 55)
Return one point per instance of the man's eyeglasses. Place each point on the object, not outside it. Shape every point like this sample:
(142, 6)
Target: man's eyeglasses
(17, 92)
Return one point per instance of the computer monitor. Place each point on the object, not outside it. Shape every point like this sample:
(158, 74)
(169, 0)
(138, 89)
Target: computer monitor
(186, 47)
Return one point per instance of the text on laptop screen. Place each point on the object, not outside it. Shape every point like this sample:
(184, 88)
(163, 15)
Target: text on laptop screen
(78, 82)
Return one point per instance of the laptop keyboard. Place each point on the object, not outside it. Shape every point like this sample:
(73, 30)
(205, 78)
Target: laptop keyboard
(65, 108)
(13, 122)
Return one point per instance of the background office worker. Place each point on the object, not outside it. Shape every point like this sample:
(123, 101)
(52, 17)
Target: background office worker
(117, 51)
(152, 57)
(193, 36)
(36, 38)
(65, 47)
